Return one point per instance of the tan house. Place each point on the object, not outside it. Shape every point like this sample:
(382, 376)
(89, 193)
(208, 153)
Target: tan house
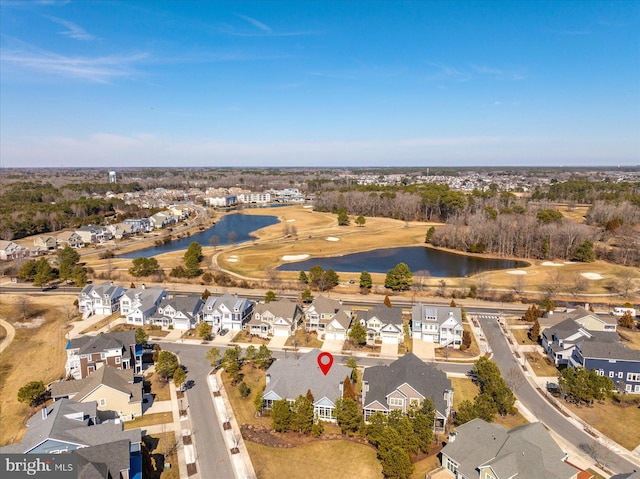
(277, 318)
(45, 243)
(114, 390)
(70, 238)
(585, 318)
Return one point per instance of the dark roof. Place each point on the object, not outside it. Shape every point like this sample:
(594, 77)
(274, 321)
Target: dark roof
(424, 378)
(190, 304)
(524, 451)
(386, 315)
(103, 342)
(100, 461)
(608, 350)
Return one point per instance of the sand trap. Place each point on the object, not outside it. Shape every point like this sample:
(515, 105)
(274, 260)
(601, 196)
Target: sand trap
(551, 263)
(308, 206)
(568, 262)
(232, 260)
(234, 256)
(290, 221)
(516, 271)
(294, 257)
(333, 238)
(592, 276)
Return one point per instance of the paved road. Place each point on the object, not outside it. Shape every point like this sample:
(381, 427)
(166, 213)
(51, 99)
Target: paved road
(546, 413)
(213, 459)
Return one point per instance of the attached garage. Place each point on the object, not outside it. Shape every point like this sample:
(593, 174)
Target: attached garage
(281, 331)
(335, 335)
(389, 339)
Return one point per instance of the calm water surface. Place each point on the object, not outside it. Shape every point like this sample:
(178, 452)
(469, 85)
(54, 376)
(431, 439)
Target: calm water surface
(240, 225)
(438, 263)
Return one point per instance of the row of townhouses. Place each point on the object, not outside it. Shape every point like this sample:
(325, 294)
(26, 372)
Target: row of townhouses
(225, 197)
(328, 317)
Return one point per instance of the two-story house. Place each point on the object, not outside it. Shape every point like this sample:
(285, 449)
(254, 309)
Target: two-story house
(181, 312)
(291, 377)
(86, 354)
(559, 340)
(585, 318)
(383, 323)
(227, 312)
(10, 250)
(404, 383)
(45, 243)
(116, 391)
(99, 299)
(441, 325)
(141, 225)
(69, 238)
(138, 305)
(94, 234)
(611, 359)
(277, 318)
(321, 312)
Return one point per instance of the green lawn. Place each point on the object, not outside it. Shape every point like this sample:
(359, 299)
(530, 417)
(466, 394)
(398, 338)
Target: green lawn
(316, 460)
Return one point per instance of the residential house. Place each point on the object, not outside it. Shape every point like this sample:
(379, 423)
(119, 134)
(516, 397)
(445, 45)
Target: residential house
(10, 250)
(406, 382)
(116, 391)
(181, 312)
(142, 225)
(277, 318)
(69, 238)
(99, 299)
(138, 305)
(611, 359)
(45, 243)
(94, 234)
(290, 377)
(162, 219)
(88, 353)
(338, 326)
(119, 230)
(480, 450)
(559, 340)
(441, 325)
(585, 318)
(255, 198)
(321, 312)
(383, 323)
(227, 312)
(104, 450)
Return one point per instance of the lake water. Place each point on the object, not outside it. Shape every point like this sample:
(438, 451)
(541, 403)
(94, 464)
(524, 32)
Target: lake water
(240, 225)
(440, 264)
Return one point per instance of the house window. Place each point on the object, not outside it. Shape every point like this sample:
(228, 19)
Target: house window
(637, 388)
(396, 401)
(601, 372)
(628, 388)
(634, 377)
(103, 355)
(103, 402)
(117, 359)
(325, 413)
(450, 465)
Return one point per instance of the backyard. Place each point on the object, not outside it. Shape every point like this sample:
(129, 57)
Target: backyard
(541, 365)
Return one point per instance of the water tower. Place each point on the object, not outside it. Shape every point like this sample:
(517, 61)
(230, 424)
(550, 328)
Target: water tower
(112, 177)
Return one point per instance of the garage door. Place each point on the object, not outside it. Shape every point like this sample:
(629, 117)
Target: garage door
(280, 331)
(334, 336)
(389, 339)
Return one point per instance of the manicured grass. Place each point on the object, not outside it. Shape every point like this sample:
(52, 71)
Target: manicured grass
(244, 409)
(159, 388)
(425, 466)
(619, 423)
(150, 420)
(304, 339)
(541, 365)
(316, 460)
(522, 337)
(102, 323)
(152, 331)
(159, 445)
(36, 354)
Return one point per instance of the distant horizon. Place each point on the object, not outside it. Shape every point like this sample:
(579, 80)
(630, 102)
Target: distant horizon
(315, 83)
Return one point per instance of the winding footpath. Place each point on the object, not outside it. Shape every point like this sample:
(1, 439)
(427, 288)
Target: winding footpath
(11, 332)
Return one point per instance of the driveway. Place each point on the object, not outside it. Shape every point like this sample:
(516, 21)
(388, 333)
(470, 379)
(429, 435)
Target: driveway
(278, 342)
(424, 350)
(332, 345)
(389, 350)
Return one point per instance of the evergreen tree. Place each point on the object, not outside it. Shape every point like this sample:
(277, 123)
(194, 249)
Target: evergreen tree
(398, 278)
(141, 336)
(466, 412)
(374, 430)
(179, 377)
(258, 402)
(353, 364)
(205, 294)
(584, 252)
(204, 330)
(306, 296)
(32, 393)
(343, 217)
(365, 280)
(269, 296)
(303, 278)
(167, 364)
(281, 415)
(213, 356)
(534, 332)
(309, 396)
(264, 357)
(67, 259)
(397, 464)
(453, 303)
(361, 220)
(347, 389)
(44, 273)
(348, 416)
(358, 333)
(302, 415)
(144, 267)
(429, 235)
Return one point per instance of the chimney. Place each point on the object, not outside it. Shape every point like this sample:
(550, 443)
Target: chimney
(586, 306)
(144, 286)
(111, 283)
(452, 436)
(268, 378)
(44, 412)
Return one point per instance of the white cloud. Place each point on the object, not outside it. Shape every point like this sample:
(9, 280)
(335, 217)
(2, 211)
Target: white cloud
(74, 31)
(256, 23)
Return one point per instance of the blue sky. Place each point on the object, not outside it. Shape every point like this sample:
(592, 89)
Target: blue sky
(333, 83)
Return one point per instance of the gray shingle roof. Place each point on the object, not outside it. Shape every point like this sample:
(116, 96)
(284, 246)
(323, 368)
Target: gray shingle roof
(424, 378)
(324, 305)
(608, 350)
(386, 315)
(292, 377)
(527, 451)
(420, 312)
(190, 304)
(105, 341)
(99, 461)
(118, 379)
(282, 308)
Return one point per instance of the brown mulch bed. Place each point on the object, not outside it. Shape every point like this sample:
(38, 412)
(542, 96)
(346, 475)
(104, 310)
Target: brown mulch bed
(267, 437)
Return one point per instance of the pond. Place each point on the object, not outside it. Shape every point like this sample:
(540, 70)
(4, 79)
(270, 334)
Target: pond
(441, 264)
(234, 228)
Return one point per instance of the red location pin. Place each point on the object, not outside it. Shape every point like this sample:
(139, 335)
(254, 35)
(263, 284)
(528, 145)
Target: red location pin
(325, 361)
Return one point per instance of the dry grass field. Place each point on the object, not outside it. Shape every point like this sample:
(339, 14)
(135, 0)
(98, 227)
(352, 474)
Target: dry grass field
(36, 353)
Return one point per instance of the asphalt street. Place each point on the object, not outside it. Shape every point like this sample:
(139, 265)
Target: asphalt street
(544, 411)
